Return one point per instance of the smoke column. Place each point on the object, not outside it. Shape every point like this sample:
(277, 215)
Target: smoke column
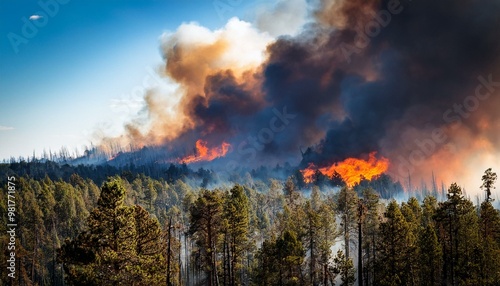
(416, 81)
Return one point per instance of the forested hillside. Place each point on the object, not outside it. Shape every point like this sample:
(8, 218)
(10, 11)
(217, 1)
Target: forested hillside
(160, 229)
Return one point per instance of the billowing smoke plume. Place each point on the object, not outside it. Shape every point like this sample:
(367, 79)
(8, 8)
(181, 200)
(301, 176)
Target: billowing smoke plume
(416, 81)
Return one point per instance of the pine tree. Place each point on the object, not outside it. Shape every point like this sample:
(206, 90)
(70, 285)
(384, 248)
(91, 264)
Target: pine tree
(33, 231)
(267, 270)
(149, 249)
(326, 238)
(413, 215)
(236, 210)
(173, 230)
(347, 201)
(490, 233)
(458, 232)
(489, 178)
(121, 245)
(206, 215)
(290, 257)
(361, 221)
(291, 194)
(70, 208)
(279, 261)
(430, 257)
(293, 216)
(392, 246)
(429, 208)
(370, 232)
(345, 267)
(313, 227)
(489, 221)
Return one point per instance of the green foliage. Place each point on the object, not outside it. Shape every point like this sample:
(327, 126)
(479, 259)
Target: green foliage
(236, 217)
(261, 233)
(266, 270)
(489, 178)
(344, 267)
(457, 225)
(280, 260)
(347, 206)
(120, 245)
(112, 195)
(430, 258)
(370, 228)
(392, 247)
(319, 236)
(206, 215)
(489, 222)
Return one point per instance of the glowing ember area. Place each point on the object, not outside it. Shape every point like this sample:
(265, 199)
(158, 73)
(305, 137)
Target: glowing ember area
(203, 153)
(351, 170)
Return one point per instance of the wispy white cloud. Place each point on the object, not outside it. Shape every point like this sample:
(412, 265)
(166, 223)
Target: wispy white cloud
(6, 128)
(134, 103)
(35, 17)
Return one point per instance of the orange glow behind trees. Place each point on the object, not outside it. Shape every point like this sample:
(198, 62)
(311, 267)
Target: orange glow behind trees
(352, 170)
(203, 153)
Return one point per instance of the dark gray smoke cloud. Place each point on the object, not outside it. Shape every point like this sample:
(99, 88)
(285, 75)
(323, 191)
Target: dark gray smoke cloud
(426, 59)
(364, 76)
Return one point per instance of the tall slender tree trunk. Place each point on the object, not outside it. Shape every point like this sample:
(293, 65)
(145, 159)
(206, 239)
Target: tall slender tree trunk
(452, 255)
(361, 213)
(374, 258)
(444, 273)
(368, 265)
(212, 258)
(312, 265)
(325, 274)
(346, 237)
(233, 256)
(224, 261)
(187, 266)
(169, 251)
(33, 260)
(216, 275)
(180, 254)
(360, 254)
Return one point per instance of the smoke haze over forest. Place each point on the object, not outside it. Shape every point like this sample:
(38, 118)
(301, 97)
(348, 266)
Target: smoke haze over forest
(415, 81)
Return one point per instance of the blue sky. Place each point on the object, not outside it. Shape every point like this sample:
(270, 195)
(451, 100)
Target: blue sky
(60, 74)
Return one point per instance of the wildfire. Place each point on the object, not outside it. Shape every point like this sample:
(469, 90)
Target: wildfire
(352, 170)
(203, 153)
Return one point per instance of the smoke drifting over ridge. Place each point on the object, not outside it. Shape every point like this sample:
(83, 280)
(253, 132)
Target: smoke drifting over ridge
(416, 81)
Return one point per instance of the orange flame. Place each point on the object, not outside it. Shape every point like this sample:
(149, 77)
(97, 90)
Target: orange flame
(351, 170)
(203, 153)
